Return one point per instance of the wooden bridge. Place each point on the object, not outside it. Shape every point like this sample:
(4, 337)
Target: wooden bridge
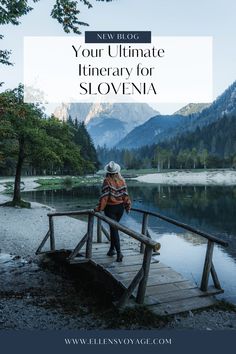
(141, 277)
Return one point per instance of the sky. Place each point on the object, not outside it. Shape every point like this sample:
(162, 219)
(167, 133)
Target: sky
(214, 18)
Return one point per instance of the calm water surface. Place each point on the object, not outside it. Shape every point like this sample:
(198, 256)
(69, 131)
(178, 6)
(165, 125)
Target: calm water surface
(210, 209)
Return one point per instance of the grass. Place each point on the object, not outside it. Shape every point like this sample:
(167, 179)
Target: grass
(224, 305)
(20, 204)
(68, 181)
(8, 187)
(72, 181)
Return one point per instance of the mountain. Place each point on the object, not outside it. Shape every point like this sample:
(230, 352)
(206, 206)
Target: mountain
(213, 129)
(70, 109)
(107, 131)
(161, 128)
(225, 104)
(107, 123)
(192, 108)
(156, 129)
(218, 138)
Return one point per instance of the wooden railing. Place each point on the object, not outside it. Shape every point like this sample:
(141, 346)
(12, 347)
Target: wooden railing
(148, 247)
(139, 280)
(208, 267)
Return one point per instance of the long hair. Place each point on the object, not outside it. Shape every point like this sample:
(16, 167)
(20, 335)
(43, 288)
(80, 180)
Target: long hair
(114, 175)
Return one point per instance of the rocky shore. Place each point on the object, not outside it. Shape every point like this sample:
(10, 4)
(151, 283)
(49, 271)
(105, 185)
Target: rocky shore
(217, 177)
(35, 294)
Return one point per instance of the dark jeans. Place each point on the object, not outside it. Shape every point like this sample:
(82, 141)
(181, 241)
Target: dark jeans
(114, 212)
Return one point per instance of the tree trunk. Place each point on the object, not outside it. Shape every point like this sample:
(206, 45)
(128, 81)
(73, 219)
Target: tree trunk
(17, 193)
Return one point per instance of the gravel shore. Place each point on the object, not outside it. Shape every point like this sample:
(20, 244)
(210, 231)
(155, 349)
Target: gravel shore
(33, 296)
(22, 230)
(221, 178)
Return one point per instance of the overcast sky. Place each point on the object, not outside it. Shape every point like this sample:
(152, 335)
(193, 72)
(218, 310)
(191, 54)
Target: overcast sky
(163, 17)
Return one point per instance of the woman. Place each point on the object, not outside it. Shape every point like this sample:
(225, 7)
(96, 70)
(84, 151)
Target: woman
(113, 201)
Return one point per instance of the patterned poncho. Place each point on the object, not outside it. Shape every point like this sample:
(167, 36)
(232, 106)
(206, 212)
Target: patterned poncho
(114, 191)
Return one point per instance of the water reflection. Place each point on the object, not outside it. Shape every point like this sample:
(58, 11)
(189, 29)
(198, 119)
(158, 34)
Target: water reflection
(211, 209)
(188, 259)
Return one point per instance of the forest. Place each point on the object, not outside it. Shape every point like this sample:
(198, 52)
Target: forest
(210, 146)
(41, 145)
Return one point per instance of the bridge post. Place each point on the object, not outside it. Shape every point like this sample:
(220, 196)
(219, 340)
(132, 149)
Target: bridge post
(43, 242)
(207, 265)
(52, 236)
(144, 230)
(143, 283)
(90, 236)
(99, 230)
(215, 277)
(126, 295)
(106, 233)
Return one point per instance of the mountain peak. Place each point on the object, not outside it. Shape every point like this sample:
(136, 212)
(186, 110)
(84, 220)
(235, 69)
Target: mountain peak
(192, 108)
(163, 128)
(124, 117)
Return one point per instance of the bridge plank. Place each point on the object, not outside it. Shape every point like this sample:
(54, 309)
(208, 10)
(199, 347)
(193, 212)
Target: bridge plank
(165, 288)
(172, 296)
(182, 305)
(167, 275)
(133, 268)
(167, 291)
(134, 259)
(126, 253)
(152, 280)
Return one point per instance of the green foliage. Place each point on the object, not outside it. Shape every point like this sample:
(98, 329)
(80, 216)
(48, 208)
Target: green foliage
(206, 147)
(5, 57)
(10, 12)
(82, 138)
(67, 181)
(19, 121)
(50, 146)
(30, 142)
(64, 11)
(161, 156)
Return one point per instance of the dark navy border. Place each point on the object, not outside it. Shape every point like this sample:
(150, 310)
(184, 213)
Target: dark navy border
(47, 342)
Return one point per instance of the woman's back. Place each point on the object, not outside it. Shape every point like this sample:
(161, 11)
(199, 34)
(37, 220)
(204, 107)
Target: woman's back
(113, 201)
(115, 189)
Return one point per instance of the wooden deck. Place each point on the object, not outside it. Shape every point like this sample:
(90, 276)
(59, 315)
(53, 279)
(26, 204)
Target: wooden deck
(141, 278)
(167, 291)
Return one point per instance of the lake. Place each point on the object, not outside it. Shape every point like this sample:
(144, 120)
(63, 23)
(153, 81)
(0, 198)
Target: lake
(209, 208)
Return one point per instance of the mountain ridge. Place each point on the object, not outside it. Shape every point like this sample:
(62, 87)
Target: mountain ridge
(126, 116)
(157, 129)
